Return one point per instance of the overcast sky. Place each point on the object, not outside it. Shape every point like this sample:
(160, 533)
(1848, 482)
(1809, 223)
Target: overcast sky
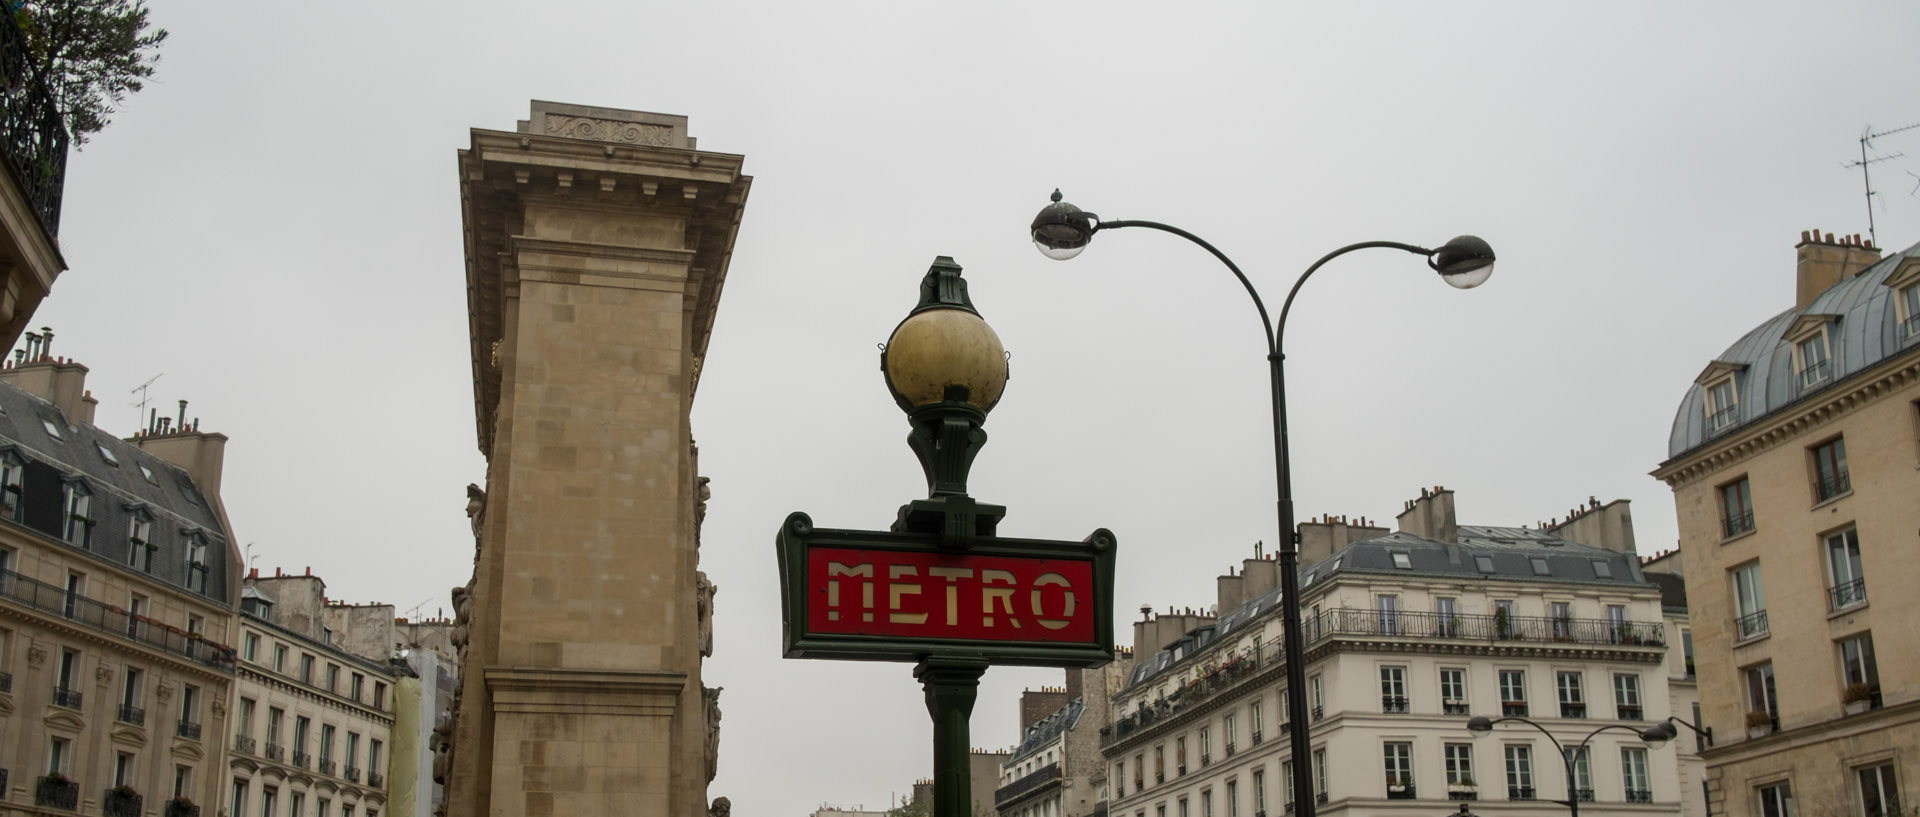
(274, 225)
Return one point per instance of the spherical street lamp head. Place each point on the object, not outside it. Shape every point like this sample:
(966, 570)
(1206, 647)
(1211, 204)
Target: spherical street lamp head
(1479, 724)
(1464, 263)
(1062, 230)
(1658, 734)
(944, 352)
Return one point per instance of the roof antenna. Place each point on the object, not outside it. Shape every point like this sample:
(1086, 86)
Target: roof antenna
(142, 391)
(1866, 178)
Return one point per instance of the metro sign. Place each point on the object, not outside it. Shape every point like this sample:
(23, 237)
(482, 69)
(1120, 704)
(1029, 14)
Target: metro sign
(889, 596)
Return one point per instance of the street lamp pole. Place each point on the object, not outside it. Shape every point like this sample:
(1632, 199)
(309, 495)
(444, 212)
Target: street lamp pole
(1656, 735)
(1061, 231)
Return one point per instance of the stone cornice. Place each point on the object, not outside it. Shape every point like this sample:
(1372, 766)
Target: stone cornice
(313, 694)
(98, 638)
(563, 690)
(1792, 420)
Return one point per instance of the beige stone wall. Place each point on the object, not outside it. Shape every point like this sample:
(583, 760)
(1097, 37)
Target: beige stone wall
(1876, 414)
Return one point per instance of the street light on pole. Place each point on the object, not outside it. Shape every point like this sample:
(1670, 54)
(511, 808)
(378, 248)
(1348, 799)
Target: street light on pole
(1656, 736)
(1062, 231)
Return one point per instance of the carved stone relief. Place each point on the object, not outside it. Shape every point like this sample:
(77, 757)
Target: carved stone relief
(607, 130)
(722, 807)
(704, 593)
(712, 697)
(36, 656)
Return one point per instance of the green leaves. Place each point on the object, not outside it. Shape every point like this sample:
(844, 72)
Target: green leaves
(92, 54)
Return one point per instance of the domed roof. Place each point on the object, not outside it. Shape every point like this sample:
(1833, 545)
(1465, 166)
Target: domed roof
(1863, 330)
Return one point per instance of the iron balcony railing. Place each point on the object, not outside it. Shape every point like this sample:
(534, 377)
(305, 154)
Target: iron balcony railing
(1458, 792)
(69, 698)
(1026, 785)
(175, 808)
(189, 730)
(1393, 704)
(1404, 793)
(112, 620)
(1832, 485)
(120, 804)
(1456, 708)
(1847, 594)
(32, 136)
(353, 774)
(56, 792)
(302, 759)
(1628, 712)
(133, 715)
(1573, 709)
(1639, 795)
(244, 745)
(376, 779)
(1751, 625)
(276, 752)
(1256, 737)
(1584, 795)
(1513, 709)
(326, 767)
(1519, 792)
(1737, 525)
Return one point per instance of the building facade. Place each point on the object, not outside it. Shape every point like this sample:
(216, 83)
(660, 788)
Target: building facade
(312, 721)
(1408, 635)
(117, 590)
(1793, 462)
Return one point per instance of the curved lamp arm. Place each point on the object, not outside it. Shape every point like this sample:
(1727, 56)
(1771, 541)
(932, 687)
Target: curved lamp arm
(1266, 324)
(1288, 306)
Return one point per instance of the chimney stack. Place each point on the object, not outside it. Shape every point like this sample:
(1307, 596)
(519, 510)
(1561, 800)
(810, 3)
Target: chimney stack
(1822, 261)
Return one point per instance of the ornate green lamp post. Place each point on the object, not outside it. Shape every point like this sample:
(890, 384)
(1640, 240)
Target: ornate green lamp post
(942, 588)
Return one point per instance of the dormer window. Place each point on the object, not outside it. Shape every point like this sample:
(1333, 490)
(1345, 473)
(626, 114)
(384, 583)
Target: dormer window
(79, 519)
(196, 563)
(140, 546)
(1723, 404)
(53, 428)
(12, 470)
(1402, 561)
(1905, 282)
(1811, 359)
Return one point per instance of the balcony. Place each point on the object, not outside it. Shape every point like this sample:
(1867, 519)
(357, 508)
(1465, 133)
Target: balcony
(1286, 728)
(1205, 759)
(1832, 485)
(1456, 708)
(1629, 712)
(326, 767)
(1573, 709)
(56, 792)
(133, 715)
(1583, 795)
(302, 759)
(121, 802)
(1736, 525)
(1847, 594)
(113, 621)
(69, 698)
(1639, 795)
(182, 808)
(353, 774)
(1229, 750)
(1400, 792)
(1318, 713)
(1519, 792)
(1320, 798)
(1223, 678)
(32, 136)
(1402, 626)
(276, 752)
(1256, 737)
(188, 730)
(1513, 709)
(1751, 625)
(1462, 791)
(1393, 704)
(376, 779)
(244, 745)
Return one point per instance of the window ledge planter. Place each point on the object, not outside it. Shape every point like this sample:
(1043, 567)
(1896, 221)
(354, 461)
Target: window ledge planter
(1857, 707)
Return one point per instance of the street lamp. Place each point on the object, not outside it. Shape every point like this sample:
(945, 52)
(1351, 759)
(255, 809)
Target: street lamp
(1061, 231)
(1656, 736)
(1666, 728)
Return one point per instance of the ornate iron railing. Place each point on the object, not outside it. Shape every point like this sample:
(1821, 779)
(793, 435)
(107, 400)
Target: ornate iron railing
(376, 779)
(55, 792)
(1751, 625)
(1639, 795)
(189, 730)
(117, 804)
(175, 808)
(1026, 785)
(244, 745)
(133, 715)
(1393, 704)
(1404, 793)
(353, 774)
(112, 620)
(33, 138)
(1519, 792)
(1829, 487)
(1736, 525)
(69, 698)
(301, 759)
(1570, 709)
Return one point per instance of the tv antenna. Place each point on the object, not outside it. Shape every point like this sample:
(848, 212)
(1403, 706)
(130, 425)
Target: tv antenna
(142, 391)
(417, 608)
(1867, 136)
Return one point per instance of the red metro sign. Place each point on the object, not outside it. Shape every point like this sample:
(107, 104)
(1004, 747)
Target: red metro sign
(902, 596)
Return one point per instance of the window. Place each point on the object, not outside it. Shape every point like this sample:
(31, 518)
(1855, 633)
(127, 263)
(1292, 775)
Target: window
(1750, 602)
(280, 658)
(274, 716)
(322, 807)
(244, 723)
(1447, 610)
(239, 797)
(1907, 303)
(301, 726)
(53, 429)
(12, 468)
(1399, 765)
(1698, 739)
(196, 563)
(1226, 725)
(1830, 477)
(306, 668)
(140, 545)
(1519, 772)
(267, 797)
(1857, 666)
(1393, 690)
(1626, 696)
(1402, 561)
(1258, 721)
(189, 704)
(1760, 697)
(1259, 792)
(333, 677)
(1459, 764)
(69, 678)
(1776, 800)
(380, 702)
(59, 756)
(252, 647)
(1736, 507)
(1602, 570)
(1513, 692)
(79, 518)
(183, 781)
(1843, 566)
(1180, 755)
(1206, 745)
(358, 681)
(1617, 617)
(353, 751)
(1314, 697)
(1119, 778)
(1539, 565)
(1206, 803)
(132, 684)
(1389, 614)
(1723, 405)
(1233, 798)
(148, 473)
(1562, 620)
(1159, 764)
(1582, 773)
(1879, 792)
(1320, 774)
(1686, 651)
(1183, 807)
(76, 590)
(106, 454)
(1633, 770)
(1573, 701)
(1483, 562)
(1811, 355)
(1286, 786)
(1453, 690)
(296, 803)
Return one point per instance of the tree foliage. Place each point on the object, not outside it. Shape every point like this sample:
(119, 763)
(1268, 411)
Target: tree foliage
(91, 53)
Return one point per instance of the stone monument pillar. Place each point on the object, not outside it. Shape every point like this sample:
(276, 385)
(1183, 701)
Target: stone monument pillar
(597, 241)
